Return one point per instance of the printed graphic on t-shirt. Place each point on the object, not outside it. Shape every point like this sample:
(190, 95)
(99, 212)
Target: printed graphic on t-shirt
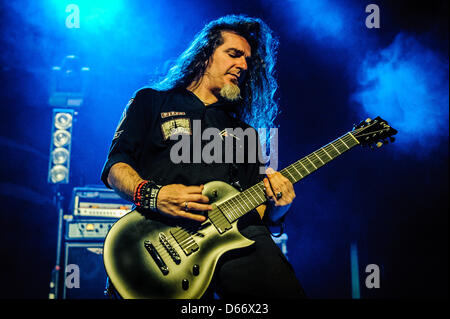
(176, 126)
(173, 113)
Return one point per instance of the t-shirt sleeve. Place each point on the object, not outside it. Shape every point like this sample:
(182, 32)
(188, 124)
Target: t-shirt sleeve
(129, 136)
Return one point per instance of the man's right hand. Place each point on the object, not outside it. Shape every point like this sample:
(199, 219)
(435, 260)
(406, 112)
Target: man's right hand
(172, 200)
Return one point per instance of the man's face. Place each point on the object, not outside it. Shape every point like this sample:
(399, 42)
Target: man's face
(228, 63)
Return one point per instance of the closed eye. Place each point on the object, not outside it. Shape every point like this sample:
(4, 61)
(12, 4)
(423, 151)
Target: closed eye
(237, 56)
(235, 53)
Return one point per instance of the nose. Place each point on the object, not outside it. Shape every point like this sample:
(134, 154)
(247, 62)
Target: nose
(242, 64)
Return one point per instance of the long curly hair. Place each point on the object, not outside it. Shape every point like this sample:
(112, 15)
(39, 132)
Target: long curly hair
(259, 108)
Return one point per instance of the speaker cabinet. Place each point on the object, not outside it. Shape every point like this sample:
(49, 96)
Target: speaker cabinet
(84, 275)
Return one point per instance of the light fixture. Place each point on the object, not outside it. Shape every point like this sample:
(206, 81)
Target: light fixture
(69, 81)
(59, 173)
(61, 138)
(59, 161)
(63, 121)
(60, 156)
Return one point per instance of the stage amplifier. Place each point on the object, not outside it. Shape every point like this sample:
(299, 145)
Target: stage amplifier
(84, 272)
(88, 229)
(98, 202)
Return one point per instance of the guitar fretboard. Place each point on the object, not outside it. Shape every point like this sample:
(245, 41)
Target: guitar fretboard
(242, 203)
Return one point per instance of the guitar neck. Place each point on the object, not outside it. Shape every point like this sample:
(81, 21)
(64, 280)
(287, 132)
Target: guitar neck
(244, 202)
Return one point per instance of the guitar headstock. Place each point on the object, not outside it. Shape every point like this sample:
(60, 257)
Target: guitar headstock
(374, 132)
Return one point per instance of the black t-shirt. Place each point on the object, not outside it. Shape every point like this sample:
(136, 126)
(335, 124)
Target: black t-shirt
(162, 136)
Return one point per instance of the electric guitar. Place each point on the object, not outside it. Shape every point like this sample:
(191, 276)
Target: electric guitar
(153, 256)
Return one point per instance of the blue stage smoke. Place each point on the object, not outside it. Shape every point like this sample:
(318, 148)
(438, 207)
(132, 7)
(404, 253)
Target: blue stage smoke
(407, 83)
(331, 23)
(323, 19)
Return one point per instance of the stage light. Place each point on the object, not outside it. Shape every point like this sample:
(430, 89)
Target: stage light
(61, 138)
(59, 174)
(63, 121)
(60, 155)
(59, 162)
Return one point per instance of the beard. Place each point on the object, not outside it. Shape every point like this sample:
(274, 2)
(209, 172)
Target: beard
(230, 92)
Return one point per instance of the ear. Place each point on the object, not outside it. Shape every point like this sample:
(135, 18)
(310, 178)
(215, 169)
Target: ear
(208, 61)
(207, 64)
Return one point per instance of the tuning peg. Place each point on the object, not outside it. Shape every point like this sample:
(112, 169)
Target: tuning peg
(368, 120)
(379, 144)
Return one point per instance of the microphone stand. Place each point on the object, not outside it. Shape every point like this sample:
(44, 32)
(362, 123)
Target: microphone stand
(55, 277)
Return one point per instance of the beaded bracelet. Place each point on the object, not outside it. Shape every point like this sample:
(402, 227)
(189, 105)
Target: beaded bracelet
(146, 195)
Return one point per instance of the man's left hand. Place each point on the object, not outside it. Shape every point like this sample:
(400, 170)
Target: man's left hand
(279, 189)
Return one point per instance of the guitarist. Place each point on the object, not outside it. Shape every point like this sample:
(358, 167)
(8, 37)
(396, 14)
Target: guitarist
(224, 80)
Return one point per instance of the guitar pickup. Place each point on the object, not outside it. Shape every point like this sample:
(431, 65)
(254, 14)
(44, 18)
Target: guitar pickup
(156, 257)
(219, 220)
(185, 240)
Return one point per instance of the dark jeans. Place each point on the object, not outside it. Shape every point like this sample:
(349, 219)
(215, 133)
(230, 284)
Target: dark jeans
(259, 271)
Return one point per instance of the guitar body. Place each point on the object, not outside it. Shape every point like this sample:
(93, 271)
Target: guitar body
(134, 248)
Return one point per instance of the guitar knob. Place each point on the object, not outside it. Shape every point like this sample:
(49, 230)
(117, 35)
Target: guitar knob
(185, 284)
(196, 270)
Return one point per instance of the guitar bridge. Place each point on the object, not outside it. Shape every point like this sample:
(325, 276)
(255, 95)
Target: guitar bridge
(156, 257)
(172, 252)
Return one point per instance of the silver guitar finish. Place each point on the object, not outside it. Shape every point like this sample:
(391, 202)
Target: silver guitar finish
(134, 272)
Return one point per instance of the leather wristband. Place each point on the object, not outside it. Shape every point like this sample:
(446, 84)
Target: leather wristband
(146, 195)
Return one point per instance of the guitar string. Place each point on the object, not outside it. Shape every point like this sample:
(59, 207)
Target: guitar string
(228, 203)
(296, 165)
(173, 241)
(251, 191)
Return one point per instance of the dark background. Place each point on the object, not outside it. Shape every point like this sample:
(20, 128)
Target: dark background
(392, 202)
